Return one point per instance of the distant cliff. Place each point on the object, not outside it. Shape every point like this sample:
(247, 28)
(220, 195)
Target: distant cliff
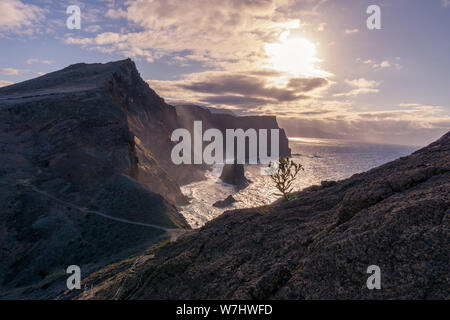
(316, 246)
(189, 113)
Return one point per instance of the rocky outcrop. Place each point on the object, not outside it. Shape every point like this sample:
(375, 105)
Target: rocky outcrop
(224, 203)
(234, 174)
(317, 245)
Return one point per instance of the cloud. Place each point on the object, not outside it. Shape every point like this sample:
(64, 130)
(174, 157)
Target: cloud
(10, 71)
(255, 86)
(18, 17)
(229, 32)
(93, 29)
(351, 31)
(362, 83)
(4, 83)
(369, 61)
(419, 123)
(384, 64)
(235, 100)
(241, 89)
(37, 60)
(361, 86)
(307, 84)
(445, 3)
(116, 13)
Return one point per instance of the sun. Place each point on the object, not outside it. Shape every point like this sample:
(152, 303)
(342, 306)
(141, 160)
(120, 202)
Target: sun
(294, 55)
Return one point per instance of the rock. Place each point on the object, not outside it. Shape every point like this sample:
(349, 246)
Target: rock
(224, 203)
(327, 183)
(234, 174)
(317, 246)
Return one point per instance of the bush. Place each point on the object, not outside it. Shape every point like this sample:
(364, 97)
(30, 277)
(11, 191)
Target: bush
(285, 175)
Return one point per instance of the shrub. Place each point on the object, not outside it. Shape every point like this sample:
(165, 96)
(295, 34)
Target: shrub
(285, 175)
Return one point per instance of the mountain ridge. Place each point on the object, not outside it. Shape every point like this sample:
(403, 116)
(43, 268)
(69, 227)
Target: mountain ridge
(73, 135)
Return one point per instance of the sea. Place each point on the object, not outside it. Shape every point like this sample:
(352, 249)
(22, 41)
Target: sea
(322, 159)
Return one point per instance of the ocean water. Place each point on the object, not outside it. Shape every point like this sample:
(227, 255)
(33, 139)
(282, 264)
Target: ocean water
(322, 159)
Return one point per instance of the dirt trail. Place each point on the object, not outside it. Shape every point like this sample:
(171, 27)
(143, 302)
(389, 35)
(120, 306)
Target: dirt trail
(174, 233)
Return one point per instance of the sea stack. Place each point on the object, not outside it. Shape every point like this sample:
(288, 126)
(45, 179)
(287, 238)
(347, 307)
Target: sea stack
(234, 174)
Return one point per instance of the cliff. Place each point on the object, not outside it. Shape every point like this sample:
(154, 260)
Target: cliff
(189, 113)
(79, 183)
(316, 246)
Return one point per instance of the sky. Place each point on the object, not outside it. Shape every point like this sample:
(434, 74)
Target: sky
(312, 63)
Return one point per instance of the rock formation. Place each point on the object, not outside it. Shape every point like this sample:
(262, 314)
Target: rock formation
(316, 246)
(234, 174)
(224, 203)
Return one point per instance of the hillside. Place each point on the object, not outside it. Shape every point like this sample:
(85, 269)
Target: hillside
(316, 246)
(72, 143)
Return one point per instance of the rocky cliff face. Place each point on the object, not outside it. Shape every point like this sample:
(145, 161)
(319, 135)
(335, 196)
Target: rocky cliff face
(75, 158)
(316, 246)
(189, 113)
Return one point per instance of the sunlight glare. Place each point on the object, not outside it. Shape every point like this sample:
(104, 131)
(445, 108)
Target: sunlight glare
(296, 56)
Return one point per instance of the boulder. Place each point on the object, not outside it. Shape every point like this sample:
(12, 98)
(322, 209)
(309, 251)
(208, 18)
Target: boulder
(224, 203)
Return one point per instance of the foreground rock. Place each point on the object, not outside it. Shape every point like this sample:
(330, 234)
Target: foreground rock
(317, 246)
(225, 203)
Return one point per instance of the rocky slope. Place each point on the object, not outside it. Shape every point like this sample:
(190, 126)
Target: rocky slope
(316, 246)
(75, 142)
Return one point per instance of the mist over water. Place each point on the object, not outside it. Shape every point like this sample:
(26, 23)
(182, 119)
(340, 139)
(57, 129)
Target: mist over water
(322, 159)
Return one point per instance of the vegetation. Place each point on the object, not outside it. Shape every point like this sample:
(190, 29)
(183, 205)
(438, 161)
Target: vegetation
(285, 175)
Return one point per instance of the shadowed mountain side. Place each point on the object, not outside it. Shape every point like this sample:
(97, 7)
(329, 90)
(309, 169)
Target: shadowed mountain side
(86, 123)
(316, 246)
(40, 237)
(76, 136)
